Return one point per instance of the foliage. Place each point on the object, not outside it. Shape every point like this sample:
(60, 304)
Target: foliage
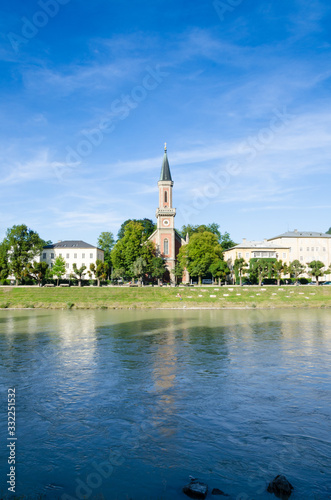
(37, 271)
(261, 268)
(24, 245)
(200, 253)
(118, 274)
(158, 267)
(148, 227)
(80, 272)
(138, 268)
(134, 244)
(100, 270)
(224, 239)
(59, 268)
(329, 231)
(296, 268)
(4, 264)
(240, 267)
(317, 269)
(278, 269)
(178, 271)
(219, 269)
(106, 242)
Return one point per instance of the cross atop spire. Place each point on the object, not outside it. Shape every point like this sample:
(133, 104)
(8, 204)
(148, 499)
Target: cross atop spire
(165, 171)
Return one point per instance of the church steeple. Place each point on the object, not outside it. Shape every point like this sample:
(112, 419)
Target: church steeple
(165, 171)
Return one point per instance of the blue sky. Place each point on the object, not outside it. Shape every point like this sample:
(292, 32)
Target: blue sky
(239, 90)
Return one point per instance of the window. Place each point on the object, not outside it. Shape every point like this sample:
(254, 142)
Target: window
(324, 249)
(44, 256)
(52, 256)
(166, 247)
(312, 249)
(301, 249)
(307, 249)
(165, 196)
(67, 265)
(83, 264)
(75, 256)
(239, 255)
(301, 258)
(317, 249)
(284, 255)
(51, 265)
(91, 255)
(67, 256)
(60, 254)
(247, 255)
(83, 255)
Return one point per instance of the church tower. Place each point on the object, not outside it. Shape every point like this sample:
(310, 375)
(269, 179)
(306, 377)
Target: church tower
(166, 238)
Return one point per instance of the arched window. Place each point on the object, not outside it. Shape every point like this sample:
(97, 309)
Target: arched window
(165, 196)
(166, 247)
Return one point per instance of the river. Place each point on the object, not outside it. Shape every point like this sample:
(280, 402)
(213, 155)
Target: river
(129, 404)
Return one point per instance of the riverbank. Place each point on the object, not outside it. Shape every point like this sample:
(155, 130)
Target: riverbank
(165, 298)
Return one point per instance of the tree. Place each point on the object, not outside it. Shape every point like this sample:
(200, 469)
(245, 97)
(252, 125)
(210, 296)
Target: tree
(148, 227)
(138, 269)
(158, 267)
(200, 253)
(106, 242)
(100, 270)
(261, 268)
(37, 271)
(240, 267)
(329, 231)
(134, 244)
(279, 269)
(296, 268)
(24, 245)
(220, 270)
(80, 272)
(118, 274)
(224, 239)
(59, 268)
(317, 269)
(178, 271)
(4, 264)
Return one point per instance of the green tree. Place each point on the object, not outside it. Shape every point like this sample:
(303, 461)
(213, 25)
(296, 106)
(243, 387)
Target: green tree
(219, 269)
(138, 269)
(279, 269)
(59, 268)
(118, 274)
(148, 227)
(24, 245)
(178, 271)
(317, 269)
(240, 268)
(224, 239)
(134, 244)
(79, 272)
(158, 267)
(106, 242)
(296, 268)
(329, 231)
(200, 253)
(4, 264)
(100, 270)
(37, 271)
(262, 268)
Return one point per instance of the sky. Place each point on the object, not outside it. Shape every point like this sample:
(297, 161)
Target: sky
(239, 90)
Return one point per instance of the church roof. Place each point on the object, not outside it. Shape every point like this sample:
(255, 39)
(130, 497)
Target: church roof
(70, 244)
(165, 171)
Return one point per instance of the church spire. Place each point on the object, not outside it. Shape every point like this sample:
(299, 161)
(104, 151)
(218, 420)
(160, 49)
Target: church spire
(165, 172)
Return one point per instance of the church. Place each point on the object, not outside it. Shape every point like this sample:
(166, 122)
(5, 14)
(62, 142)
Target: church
(166, 239)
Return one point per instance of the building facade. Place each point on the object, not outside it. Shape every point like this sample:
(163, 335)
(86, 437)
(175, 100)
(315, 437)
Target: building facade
(166, 239)
(304, 246)
(73, 252)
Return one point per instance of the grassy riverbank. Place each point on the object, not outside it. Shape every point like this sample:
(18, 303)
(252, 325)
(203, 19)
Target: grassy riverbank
(155, 297)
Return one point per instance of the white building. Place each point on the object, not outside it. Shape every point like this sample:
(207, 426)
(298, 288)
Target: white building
(73, 252)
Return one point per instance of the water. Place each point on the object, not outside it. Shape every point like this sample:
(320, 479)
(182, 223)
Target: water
(128, 404)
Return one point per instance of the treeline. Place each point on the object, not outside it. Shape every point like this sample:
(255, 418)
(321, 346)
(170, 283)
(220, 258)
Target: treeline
(131, 256)
(258, 270)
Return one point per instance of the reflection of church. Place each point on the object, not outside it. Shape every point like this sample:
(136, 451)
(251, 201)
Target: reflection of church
(166, 238)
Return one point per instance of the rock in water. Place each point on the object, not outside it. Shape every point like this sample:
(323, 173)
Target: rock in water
(217, 491)
(281, 487)
(196, 489)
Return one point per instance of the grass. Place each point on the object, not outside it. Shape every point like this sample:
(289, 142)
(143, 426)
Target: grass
(155, 297)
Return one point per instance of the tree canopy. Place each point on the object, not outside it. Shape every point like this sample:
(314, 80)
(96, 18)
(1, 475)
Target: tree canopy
(148, 227)
(59, 268)
(24, 245)
(200, 253)
(316, 269)
(224, 239)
